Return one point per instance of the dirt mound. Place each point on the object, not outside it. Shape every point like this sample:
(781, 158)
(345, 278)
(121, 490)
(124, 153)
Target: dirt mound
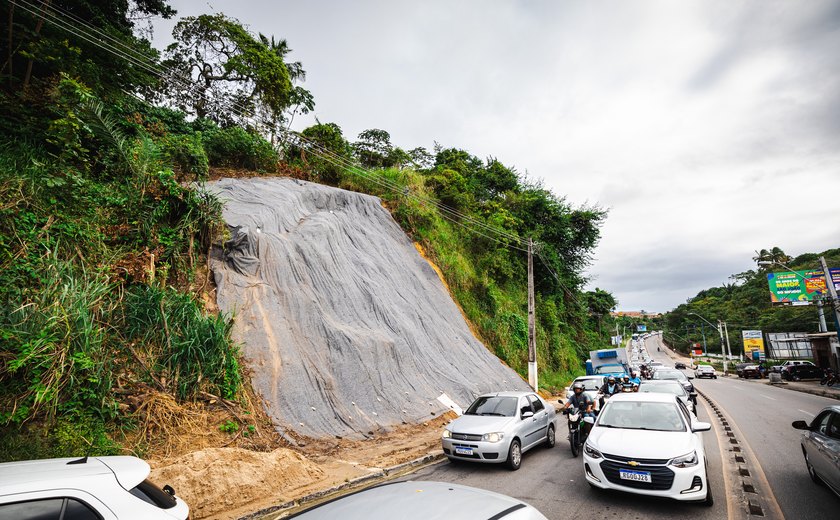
(216, 480)
(347, 329)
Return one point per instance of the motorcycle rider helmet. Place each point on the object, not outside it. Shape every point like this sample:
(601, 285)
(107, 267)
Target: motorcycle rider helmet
(611, 379)
(577, 386)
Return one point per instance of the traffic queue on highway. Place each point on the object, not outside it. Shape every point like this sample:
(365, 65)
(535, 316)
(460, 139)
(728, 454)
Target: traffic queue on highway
(635, 422)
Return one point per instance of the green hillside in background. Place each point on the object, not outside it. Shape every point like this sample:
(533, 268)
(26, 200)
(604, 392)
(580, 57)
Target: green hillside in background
(745, 304)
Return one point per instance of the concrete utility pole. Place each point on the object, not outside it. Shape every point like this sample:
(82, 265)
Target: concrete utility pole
(532, 336)
(835, 302)
(722, 345)
(728, 348)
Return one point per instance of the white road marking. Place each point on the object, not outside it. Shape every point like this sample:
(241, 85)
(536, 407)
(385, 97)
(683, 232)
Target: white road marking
(806, 413)
(767, 397)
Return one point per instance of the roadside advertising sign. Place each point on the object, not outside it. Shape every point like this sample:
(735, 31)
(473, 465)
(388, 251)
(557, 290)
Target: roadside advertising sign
(800, 287)
(753, 343)
(641, 328)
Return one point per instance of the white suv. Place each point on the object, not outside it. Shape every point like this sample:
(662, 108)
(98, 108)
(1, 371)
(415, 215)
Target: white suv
(90, 488)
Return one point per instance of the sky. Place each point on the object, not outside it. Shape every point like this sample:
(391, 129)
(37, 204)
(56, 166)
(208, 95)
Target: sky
(708, 129)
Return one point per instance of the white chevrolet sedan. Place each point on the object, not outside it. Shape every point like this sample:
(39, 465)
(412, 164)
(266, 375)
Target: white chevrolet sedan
(649, 444)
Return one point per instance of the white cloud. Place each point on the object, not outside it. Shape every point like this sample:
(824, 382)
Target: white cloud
(709, 128)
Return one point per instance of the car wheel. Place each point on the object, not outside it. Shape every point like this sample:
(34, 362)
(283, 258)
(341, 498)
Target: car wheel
(514, 460)
(813, 474)
(550, 438)
(709, 501)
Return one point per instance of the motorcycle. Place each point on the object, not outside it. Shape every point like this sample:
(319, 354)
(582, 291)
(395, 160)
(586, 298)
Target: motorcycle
(576, 434)
(829, 378)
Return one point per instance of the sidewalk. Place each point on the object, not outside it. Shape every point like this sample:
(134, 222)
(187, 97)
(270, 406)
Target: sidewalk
(809, 387)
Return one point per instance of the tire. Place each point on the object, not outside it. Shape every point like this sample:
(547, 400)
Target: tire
(813, 474)
(514, 458)
(709, 501)
(574, 442)
(550, 437)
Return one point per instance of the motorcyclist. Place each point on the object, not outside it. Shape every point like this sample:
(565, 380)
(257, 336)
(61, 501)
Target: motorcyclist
(611, 387)
(627, 385)
(634, 378)
(580, 400)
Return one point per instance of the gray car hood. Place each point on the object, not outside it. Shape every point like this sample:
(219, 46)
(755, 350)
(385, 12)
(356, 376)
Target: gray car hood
(480, 424)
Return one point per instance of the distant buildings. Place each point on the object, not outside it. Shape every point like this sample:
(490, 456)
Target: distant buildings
(635, 314)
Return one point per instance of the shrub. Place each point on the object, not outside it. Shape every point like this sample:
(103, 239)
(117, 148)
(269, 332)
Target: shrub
(186, 153)
(235, 147)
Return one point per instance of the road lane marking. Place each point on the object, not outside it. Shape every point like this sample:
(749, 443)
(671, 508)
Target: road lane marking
(774, 509)
(806, 413)
(767, 397)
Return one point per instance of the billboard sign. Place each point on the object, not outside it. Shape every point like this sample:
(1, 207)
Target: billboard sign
(753, 343)
(800, 287)
(641, 328)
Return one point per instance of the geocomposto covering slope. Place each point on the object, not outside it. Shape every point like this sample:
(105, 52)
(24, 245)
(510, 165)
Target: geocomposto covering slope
(346, 327)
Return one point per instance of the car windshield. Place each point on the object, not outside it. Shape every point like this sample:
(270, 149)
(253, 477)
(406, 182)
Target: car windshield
(590, 384)
(669, 375)
(642, 415)
(672, 388)
(493, 405)
(609, 369)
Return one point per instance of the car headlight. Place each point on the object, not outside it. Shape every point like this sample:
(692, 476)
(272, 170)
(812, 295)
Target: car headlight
(447, 434)
(592, 452)
(686, 461)
(493, 437)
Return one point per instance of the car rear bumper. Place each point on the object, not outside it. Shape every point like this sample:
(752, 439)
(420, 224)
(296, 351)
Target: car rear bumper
(686, 484)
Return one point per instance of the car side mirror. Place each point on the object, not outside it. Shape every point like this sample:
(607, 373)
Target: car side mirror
(690, 377)
(701, 427)
(525, 415)
(800, 425)
(693, 395)
(589, 420)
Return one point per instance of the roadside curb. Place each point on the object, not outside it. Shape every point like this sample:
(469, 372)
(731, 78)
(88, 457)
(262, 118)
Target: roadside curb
(381, 474)
(812, 391)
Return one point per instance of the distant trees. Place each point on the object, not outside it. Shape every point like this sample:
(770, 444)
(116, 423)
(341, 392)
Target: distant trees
(773, 255)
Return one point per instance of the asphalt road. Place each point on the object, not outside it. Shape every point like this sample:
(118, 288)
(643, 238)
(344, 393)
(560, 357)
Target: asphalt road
(764, 415)
(552, 481)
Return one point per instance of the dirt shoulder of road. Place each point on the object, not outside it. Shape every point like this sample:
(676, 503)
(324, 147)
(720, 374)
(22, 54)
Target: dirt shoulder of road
(231, 482)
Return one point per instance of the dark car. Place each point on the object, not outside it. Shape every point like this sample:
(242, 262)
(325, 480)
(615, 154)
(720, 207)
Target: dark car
(739, 368)
(798, 372)
(821, 447)
(750, 372)
(679, 365)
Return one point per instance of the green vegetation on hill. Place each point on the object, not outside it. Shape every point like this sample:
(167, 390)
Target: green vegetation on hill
(104, 232)
(745, 304)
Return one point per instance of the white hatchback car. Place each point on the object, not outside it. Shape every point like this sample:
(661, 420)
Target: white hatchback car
(90, 488)
(650, 444)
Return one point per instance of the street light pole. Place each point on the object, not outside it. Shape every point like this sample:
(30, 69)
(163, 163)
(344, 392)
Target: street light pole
(728, 348)
(835, 303)
(722, 344)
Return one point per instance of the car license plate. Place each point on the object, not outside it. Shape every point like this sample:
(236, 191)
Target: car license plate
(463, 451)
(638, 476)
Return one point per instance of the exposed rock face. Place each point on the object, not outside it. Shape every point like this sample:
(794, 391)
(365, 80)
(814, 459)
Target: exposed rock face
(347, 329)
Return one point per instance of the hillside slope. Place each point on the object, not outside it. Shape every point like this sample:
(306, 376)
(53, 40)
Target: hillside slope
(347, 329)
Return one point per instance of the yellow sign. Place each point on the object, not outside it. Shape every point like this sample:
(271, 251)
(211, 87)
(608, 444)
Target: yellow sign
(753, 340)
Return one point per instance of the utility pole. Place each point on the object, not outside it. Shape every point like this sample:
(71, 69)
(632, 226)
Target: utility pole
(821, 312)
(532, 337)
(722, 345)
(703, 332)
(835, 302)
(728, 348)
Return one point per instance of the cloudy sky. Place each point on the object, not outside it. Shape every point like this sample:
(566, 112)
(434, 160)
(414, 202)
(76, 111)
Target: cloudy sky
(709, 129)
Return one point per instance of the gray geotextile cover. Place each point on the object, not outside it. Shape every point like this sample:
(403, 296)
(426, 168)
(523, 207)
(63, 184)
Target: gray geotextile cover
(346, 328)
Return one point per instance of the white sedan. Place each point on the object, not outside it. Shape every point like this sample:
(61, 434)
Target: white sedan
(649, 444)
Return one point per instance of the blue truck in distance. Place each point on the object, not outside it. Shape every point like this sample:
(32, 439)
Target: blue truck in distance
(608, 362)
